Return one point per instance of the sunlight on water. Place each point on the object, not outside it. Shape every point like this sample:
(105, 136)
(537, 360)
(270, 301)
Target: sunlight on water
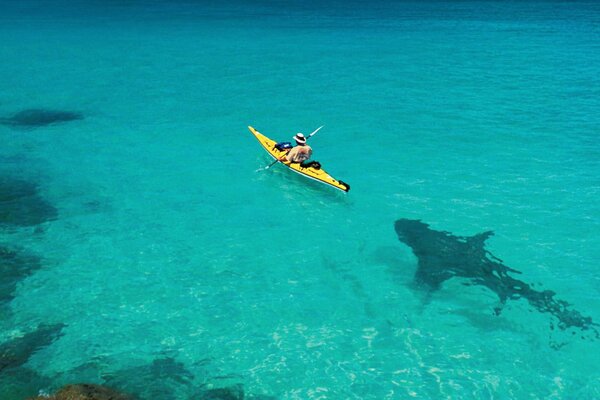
(144, 246)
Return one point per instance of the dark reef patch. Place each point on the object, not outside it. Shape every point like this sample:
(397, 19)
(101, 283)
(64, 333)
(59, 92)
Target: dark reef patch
(22, 205)
(164, 378)
(85, 391)
(442, 256)
(21, 383)
(15, 265)
(229, 393)
(168, 379)
(234, 392)
(17, 351)
(37, 117)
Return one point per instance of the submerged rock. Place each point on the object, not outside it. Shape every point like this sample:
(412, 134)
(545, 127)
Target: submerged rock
(85, 391)
(17, 352)
(229, 393)
(22, 205)
(15, 265)
(36, 117)
(165, 378)
(21, 383)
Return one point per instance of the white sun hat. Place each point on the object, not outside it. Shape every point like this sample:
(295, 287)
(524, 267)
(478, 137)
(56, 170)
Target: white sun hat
(299, 137)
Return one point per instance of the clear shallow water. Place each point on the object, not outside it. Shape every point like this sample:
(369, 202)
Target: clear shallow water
(471, 116)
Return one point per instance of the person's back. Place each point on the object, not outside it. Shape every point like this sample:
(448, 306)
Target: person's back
(301, 152)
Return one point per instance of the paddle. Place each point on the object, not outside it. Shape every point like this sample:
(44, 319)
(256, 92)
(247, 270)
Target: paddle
(308, 137)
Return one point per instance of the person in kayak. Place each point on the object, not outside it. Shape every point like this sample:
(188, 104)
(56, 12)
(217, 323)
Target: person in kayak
(300, 153)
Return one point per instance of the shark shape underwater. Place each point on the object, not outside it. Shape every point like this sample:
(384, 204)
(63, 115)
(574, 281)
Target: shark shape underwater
(442, 256)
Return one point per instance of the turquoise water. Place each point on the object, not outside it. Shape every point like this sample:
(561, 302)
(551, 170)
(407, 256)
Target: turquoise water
(168, 243)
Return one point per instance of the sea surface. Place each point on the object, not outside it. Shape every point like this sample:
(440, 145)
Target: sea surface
(173, 263)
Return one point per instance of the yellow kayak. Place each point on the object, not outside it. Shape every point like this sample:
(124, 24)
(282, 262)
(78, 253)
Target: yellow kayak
(310, 172)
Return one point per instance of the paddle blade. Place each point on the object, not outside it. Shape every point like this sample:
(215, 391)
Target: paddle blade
(316, 130)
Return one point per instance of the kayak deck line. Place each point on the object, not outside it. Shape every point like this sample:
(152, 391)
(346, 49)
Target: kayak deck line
(318, 175)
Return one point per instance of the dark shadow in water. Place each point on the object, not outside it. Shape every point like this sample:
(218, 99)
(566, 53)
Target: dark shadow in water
(86, 391)
(22, 205)
(15, 265)
(17, 352)
(235, 392)
(21, 383)
(165, 378)
(442, 256)
(230, 393)
(38, 117)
